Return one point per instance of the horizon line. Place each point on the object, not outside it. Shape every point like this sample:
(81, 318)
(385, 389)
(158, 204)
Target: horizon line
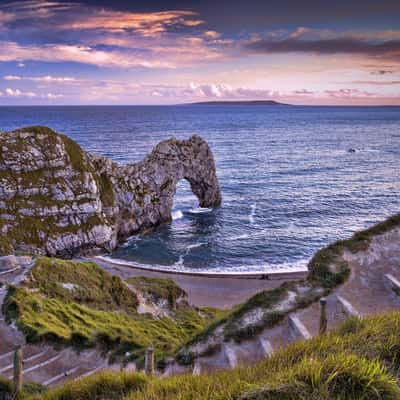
(198, 103)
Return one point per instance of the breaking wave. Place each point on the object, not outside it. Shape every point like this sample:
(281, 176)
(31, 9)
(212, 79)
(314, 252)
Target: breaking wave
(179, 267)
(177, 215)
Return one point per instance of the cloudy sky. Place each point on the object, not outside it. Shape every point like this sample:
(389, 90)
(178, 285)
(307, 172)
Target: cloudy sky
(167, 52)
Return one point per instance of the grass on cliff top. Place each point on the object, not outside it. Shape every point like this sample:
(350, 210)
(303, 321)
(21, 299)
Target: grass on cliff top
(78, 161)
(98, 309)
(84, 283)
(74, 151)
(158, 288)
(340, 365)
(320, 266)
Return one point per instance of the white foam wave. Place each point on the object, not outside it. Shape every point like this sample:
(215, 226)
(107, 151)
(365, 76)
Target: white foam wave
(240, 237)
(248, 235)
(179, 267)
(195, 245)
(180, 262)
(131, 241)
(199, 210)
(252, 213)
(177, 215)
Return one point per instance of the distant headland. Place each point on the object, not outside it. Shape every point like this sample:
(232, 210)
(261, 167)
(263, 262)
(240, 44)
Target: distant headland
(238, 103)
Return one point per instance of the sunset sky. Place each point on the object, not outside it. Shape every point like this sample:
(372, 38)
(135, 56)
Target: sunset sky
(168, 52)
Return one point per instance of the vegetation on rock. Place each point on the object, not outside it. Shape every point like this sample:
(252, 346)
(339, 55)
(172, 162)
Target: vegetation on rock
(339, 365)
(79, 304)
(158, 288)
(83, 282)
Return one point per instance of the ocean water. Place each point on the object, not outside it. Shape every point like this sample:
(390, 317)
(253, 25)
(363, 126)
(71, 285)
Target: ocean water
(289, 179)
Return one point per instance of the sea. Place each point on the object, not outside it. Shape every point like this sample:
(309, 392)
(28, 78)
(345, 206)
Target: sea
(293, 178)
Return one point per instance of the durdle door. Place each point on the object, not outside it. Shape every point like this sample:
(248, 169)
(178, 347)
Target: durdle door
(57, 199)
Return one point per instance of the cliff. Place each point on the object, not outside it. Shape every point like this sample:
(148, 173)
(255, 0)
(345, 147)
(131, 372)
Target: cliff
(57, 199)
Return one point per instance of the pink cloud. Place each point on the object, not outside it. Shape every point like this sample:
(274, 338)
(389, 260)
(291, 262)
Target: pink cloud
(19, 93)
(43, 79)
(304, 92)
(349, 93)
(209, 91)
(11, 51)
(372, 45)
(377, 83)
(145, 40)
(146, 24)
(76, 16)
(212, 34)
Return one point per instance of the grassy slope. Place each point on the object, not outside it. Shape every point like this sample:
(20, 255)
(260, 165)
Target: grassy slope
(158, 288)
(92, 286)
(341, 365)
(99, 310)
(327, 270)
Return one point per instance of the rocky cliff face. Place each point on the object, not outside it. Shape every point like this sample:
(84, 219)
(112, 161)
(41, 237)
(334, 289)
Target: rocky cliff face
(57, 199)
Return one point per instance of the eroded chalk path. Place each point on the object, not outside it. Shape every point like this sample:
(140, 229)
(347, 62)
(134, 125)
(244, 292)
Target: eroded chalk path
(372, 287)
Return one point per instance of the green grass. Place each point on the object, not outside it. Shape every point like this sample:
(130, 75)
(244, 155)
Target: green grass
(158, 288)
(320, 266)
(337, 377)
(358, 361)
(105, 385)
(92, 286)
(99, 311)
(28, 389)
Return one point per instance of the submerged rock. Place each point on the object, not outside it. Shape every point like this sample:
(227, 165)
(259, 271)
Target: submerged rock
(57, 199)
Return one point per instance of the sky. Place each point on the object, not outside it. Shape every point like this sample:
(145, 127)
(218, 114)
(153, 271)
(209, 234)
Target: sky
(170, 52)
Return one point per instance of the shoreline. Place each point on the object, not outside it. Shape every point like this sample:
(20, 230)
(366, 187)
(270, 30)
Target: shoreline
(204, 289)
(270, 275)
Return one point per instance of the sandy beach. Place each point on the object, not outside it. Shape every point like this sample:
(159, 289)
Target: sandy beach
(213, 290)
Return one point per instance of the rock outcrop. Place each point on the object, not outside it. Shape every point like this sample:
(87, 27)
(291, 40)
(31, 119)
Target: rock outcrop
(57, 199)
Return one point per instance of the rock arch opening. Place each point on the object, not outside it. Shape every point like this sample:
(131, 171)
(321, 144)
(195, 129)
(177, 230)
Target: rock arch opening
(184, 198)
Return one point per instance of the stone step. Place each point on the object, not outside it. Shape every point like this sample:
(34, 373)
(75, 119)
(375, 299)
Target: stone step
(73, 375)
(392, 283)
(230, 355)
(66, 374)
(26, 360)
(90, 372)
(63, 362)
(347, 307)
(6, 357)
(298, 329)
(40, 365)
(265, 346)
(27, 352)
(9, 271)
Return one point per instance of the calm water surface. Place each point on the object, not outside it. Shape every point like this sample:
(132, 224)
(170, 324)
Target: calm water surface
(289, 182)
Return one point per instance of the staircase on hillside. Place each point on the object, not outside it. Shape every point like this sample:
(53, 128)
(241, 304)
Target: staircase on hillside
(361, 296)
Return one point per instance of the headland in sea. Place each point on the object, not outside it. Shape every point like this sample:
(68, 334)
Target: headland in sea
(289, 182)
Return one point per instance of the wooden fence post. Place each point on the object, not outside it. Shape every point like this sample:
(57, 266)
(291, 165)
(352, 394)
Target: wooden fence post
(149, 361)
(17, 371)
(323, 322)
